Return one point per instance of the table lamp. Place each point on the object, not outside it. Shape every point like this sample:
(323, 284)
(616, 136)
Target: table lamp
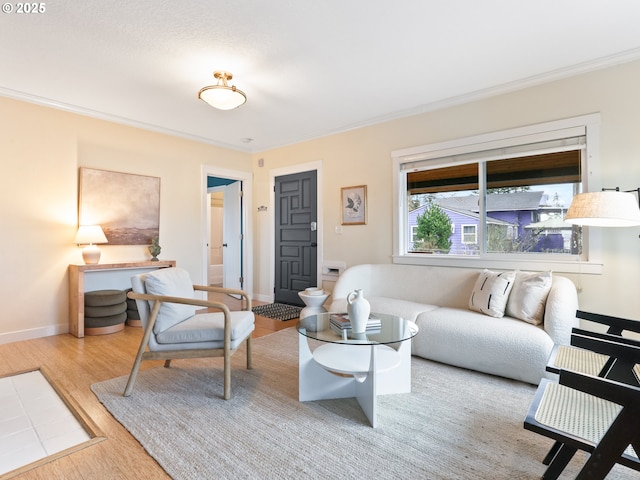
(89, 235)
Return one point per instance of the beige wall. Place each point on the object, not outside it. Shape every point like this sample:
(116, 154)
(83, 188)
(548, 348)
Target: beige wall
(363, 157)
(41, 150)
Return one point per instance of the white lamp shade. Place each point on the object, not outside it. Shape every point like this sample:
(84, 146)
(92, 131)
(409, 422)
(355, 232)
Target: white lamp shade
(222, 97)
(90, 234)
(604, 209)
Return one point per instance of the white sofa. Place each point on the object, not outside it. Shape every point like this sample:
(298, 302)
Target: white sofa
(437, 299)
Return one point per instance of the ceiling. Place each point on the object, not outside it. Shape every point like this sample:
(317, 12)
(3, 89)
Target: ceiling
(309, 68)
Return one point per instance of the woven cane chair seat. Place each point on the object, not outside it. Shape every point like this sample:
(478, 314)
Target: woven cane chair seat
(578, 413)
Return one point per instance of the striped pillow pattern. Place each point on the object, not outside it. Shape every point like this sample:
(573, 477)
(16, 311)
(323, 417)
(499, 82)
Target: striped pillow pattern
(491, 292)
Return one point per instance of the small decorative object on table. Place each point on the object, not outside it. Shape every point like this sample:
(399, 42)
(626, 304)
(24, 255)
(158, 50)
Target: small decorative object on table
(313, 298)
(341, 325)
(358, 309)
(154, 249)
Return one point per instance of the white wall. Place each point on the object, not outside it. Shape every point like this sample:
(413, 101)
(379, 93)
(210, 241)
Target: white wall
(41, 150)
(363, 157)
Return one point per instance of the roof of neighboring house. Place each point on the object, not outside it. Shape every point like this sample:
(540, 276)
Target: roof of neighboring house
(470, 214)
(554, 223)
(500, 202)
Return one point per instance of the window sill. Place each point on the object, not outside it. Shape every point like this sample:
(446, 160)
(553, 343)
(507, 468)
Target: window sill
(560, 266)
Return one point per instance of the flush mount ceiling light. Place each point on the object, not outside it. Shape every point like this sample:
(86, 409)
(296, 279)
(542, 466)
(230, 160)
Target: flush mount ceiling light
(222, 96)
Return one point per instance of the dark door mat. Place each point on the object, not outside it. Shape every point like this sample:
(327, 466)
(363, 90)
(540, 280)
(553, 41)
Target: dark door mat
(277, 311)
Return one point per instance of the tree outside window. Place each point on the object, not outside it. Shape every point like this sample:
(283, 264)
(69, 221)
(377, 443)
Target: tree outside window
(434, 230)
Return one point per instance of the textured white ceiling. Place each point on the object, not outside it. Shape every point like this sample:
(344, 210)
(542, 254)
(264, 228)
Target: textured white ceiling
(309, 68)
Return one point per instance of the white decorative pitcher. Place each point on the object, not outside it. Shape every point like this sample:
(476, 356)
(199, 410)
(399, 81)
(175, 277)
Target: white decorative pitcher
(358, 309)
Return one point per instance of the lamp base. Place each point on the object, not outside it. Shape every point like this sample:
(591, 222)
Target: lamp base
(91, 254)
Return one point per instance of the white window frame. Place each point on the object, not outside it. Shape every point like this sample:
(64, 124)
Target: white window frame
(414, 232)
(590, 260)
(475, 233)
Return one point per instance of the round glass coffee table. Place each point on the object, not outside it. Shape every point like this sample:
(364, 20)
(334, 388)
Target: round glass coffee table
(342, 365)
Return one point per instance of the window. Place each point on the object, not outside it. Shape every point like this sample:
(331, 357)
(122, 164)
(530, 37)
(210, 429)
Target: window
(414, 233)
(470, 234)
(506, 192)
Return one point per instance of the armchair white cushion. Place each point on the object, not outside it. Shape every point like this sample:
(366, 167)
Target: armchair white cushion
(174, 282)
(208, 328)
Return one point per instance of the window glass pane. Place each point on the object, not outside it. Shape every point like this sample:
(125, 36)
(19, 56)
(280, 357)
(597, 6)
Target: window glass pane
(445, 223)
(526, 200)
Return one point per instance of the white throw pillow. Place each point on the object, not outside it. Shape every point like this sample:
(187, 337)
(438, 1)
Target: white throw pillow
(529, 296)
(174, 282)
(491, 292)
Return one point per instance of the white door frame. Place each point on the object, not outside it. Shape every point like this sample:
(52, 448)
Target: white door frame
(247, 220)
(279, 172)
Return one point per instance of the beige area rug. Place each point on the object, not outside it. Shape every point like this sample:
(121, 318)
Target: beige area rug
(456, 424)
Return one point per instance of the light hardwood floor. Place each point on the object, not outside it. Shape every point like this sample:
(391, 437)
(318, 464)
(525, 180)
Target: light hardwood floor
(75, 364)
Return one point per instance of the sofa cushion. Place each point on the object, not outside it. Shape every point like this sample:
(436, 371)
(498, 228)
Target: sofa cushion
(500, 346)
(491, 292)
(174, 282)
(528, 296)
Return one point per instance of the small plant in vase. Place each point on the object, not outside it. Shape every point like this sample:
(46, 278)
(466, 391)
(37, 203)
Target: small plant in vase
(154, 249)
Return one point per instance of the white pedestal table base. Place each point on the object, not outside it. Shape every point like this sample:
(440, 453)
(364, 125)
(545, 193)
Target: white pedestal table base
(365, 371)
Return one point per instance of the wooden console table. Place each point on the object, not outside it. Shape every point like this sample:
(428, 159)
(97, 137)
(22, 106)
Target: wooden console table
(77, 286)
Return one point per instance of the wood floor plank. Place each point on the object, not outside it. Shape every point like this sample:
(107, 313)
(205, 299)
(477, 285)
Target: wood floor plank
(75, 364)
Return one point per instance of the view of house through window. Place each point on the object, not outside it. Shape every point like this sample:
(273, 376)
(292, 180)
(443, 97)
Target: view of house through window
(505, 206)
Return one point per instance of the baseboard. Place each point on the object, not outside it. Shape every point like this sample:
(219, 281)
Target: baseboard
(263, 298)
(33, 333)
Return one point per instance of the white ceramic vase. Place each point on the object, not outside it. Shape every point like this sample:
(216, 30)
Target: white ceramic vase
(358, 309)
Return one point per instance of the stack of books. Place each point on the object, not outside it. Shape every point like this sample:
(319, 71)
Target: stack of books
(340, 322)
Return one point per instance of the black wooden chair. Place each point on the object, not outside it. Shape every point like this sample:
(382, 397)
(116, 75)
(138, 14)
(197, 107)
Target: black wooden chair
(590, 413)
(585, 360)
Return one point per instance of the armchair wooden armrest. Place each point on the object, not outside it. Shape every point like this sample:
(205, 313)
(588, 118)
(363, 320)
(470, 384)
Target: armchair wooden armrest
(182, 300)
(228, 291)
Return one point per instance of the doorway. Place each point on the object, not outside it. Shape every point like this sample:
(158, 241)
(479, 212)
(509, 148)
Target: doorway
(227, 254)
(224, 267)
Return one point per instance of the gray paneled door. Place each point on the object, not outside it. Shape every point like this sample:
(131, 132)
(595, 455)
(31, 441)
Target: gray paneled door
(296, 235)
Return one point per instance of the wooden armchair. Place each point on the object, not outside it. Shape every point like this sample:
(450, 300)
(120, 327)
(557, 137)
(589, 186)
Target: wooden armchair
(590, 413)
(583, 359)
(172, 329)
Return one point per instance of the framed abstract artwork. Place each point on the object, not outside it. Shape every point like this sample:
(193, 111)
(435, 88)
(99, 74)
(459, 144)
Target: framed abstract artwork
(354, 205)
(126, 206)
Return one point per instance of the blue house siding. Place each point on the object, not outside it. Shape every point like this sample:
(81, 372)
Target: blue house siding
(521, 218)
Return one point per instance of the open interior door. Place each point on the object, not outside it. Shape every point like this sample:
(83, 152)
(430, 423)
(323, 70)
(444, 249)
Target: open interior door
(232, 236)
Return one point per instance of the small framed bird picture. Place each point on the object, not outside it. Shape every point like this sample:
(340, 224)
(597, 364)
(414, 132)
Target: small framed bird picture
(354, 205)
